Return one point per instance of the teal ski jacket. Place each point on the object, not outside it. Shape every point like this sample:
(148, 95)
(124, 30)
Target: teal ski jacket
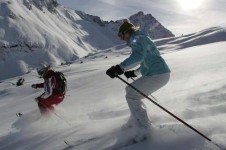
(145, 54)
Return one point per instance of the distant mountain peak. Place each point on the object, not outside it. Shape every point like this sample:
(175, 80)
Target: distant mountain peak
(151, 25)
(141, 14)
(138, 14)
(145, 21)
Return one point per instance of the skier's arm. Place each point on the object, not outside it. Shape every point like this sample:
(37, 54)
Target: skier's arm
(147, 45)
(40, 85)
(137, 56)
(49, 87)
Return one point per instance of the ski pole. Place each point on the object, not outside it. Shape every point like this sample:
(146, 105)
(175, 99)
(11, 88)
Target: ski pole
(186, 124)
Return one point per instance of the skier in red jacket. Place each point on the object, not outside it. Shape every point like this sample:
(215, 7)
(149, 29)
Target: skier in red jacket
(52, 95)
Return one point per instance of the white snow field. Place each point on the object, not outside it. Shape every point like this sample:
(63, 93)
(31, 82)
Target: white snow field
(95, 105)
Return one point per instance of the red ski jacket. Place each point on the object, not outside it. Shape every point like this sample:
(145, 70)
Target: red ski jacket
(50, 85)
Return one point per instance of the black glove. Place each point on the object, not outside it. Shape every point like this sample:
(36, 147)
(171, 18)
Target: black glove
(114, 71)
(130, 74)
(34, 86)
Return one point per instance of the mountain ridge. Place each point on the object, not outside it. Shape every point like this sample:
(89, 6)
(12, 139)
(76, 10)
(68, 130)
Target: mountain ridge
(34, 32)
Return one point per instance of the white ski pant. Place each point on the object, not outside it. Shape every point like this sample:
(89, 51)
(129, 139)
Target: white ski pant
(147, 85)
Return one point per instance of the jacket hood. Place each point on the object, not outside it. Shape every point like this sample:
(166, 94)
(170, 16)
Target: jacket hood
(141, 32)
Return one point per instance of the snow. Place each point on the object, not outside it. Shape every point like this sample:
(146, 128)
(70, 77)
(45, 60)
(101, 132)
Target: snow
(95, 104)
(207, 36)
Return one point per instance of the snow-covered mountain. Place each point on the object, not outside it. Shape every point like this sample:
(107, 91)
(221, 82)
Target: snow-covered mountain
(95, 104)
(43, 31)
(207, 36)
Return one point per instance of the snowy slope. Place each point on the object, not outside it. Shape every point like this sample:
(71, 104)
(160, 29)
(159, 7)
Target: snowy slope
(95, 104)
(207, 36)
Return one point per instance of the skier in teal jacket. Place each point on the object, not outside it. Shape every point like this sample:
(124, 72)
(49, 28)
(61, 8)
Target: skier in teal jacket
(153, 68)
(145, 53)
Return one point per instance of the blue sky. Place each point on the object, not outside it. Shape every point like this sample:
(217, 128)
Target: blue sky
(179, 16)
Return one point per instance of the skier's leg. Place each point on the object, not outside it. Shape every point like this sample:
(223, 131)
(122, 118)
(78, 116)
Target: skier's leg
(42, 107)
(129, 123)
(57, 99)
(47, 105)
(147, 85)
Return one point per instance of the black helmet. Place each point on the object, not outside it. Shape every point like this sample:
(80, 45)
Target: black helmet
(43, 70)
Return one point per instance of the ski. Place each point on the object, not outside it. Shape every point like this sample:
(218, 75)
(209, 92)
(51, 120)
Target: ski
(118, 145)
(116, 139)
